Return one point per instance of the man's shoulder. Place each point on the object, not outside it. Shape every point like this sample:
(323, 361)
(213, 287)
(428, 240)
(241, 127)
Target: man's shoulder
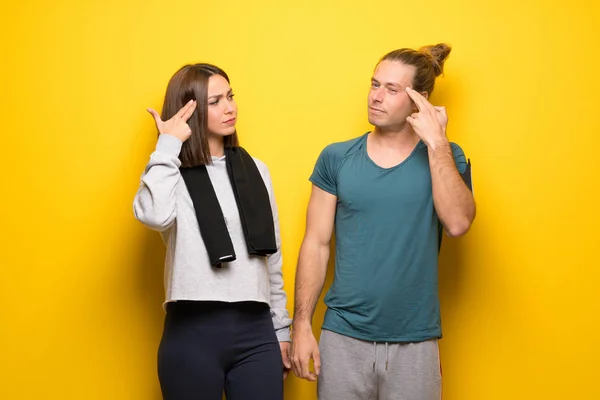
(339, 150)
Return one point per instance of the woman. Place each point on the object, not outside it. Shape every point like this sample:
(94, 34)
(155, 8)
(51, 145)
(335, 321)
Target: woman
(226, 327)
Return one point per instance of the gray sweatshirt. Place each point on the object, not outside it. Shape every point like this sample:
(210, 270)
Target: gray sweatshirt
(164, 204)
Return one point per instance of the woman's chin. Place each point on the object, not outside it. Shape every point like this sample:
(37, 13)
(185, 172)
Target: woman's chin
(223, 133)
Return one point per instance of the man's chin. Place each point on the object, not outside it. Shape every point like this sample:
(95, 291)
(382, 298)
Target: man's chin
(375, 121)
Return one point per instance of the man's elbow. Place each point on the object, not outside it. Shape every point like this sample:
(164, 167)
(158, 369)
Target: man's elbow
(316, 240)
(459, 227)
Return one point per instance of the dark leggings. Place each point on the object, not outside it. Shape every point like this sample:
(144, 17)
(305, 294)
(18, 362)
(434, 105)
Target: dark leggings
(208, 348)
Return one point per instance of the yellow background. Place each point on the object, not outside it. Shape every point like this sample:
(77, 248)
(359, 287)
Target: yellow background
(81, 280)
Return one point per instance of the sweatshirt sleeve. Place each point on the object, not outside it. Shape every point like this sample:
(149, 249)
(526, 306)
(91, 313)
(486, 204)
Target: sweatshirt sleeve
(279, 312)
(154, 203)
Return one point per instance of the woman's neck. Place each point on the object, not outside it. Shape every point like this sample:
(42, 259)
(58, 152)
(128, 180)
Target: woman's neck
(216, 146)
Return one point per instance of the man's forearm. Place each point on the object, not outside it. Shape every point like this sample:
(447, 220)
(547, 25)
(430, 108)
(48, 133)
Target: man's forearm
(310, 278)
(453, 201)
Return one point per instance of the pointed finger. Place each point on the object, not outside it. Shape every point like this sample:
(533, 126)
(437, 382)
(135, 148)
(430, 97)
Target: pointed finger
(420, 101)
(183, 109)
(416, 97)
(190, 110)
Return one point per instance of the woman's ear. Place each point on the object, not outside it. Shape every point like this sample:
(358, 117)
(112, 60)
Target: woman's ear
(425, 94)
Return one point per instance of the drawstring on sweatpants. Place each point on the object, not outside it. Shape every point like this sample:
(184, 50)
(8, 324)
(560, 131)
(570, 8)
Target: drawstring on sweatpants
(386, 355)
(375, 355)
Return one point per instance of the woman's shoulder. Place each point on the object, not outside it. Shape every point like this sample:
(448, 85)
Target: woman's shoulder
(262, 167)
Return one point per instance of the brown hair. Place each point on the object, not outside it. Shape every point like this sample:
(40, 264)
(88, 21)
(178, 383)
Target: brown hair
(191, 83)
(428, 61)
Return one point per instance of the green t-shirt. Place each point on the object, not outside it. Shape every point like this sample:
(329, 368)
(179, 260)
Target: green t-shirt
(387, 241)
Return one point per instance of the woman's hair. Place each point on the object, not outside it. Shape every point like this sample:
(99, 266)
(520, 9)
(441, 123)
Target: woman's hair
(191, 83)
(428, 61)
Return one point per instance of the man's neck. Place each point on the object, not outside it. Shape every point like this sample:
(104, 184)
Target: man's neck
(396, 139)
(388, 148)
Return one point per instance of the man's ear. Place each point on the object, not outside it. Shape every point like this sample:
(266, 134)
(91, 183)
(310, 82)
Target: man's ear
(425, 94)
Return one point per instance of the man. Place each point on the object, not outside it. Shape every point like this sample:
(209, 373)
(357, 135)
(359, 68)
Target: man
(389, 194)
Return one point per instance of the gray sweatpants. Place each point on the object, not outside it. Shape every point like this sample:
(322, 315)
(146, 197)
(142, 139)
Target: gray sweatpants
(353, 369)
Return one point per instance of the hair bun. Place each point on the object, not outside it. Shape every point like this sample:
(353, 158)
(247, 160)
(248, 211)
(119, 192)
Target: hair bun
(438, 54)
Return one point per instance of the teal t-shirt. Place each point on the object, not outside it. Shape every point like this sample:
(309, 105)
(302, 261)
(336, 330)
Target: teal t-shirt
(387, 235)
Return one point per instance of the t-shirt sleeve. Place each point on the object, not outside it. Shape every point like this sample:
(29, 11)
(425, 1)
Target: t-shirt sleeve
(325, 172)
(462, 164)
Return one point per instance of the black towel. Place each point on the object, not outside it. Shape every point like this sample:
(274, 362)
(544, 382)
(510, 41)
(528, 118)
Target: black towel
(253, 204)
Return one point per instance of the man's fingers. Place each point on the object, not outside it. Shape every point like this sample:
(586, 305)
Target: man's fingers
(440, 109)
(317, 362)
(304, 369)
(295, 365)
(416, 97)
(421, 102)
(300, 361)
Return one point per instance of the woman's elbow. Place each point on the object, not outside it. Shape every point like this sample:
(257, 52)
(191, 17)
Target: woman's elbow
(155, 221)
